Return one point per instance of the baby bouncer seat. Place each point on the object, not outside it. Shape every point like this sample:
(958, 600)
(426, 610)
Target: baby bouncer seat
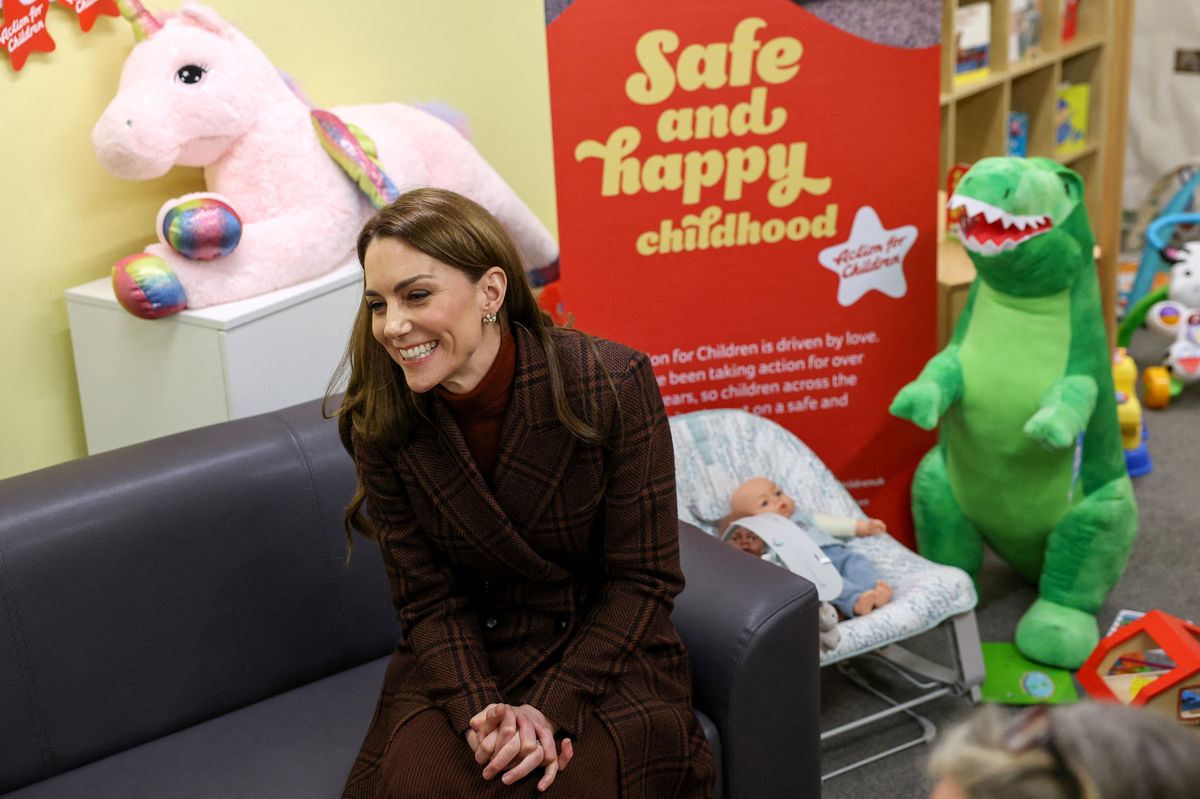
(715, 450)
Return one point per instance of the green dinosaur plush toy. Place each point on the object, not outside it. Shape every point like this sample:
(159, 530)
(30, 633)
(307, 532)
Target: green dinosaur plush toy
(1029, 457)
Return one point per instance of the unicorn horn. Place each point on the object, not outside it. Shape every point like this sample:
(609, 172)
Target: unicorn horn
(143, 22)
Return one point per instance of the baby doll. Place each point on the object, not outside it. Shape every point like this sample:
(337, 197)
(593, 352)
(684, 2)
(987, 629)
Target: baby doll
(862, 590)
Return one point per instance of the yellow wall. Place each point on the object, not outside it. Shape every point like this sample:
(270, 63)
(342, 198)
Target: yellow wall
(64, 221)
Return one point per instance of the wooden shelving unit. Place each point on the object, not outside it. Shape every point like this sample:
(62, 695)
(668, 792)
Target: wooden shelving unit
(975, 121)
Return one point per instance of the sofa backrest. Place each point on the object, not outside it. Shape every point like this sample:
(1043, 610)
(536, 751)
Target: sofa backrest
(153, 587)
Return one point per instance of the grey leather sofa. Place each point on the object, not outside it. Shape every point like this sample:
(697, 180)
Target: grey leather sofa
(177, 620)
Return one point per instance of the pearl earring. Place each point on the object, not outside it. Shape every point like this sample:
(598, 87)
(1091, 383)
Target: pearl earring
(489, 318)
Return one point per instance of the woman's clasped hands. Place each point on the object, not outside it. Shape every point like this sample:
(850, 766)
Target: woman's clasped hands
(517, 738)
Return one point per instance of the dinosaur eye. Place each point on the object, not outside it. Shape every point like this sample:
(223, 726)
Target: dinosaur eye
(190, 74)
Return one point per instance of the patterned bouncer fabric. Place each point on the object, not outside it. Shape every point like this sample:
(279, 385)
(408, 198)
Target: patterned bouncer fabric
(716, 450)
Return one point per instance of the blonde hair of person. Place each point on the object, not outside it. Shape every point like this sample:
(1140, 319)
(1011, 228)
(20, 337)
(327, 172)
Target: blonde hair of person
(1087, 750)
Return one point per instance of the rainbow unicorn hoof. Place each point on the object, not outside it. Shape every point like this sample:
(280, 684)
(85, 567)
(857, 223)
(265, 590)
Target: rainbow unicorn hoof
(146, 287)
(201, 227)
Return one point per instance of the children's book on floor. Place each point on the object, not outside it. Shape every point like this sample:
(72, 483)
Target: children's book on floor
(1013, 679)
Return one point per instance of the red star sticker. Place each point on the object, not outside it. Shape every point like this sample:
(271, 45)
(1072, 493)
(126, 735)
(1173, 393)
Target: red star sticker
(24, 29)
(88, 10)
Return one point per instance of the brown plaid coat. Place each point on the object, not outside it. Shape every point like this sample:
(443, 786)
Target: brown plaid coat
(552, 589)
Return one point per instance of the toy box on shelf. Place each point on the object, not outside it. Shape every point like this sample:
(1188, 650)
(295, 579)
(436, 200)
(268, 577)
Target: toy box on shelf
(1070, 19)
(1151, 661)
(1018, 134)
(1025, 30)
(972, 39)
(1071, 119)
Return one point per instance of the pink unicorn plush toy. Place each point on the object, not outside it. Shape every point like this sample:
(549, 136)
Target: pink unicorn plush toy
(279, 209)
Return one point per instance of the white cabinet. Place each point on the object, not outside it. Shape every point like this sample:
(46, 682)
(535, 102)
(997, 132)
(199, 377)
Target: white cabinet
(141, 379)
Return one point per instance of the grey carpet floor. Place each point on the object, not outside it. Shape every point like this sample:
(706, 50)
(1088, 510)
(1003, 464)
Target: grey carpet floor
(1163, 572)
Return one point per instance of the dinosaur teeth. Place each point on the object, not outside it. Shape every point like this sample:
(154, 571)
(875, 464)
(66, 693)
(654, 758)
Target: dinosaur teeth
(980, 244)
(972, 206)
(987, 230)
(991, 214)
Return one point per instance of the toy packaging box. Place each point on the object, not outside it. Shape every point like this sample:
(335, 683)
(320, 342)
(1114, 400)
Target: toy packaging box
(1071, 118)
(1025, 30)
(1018, 134)
(973, 37)
(1070, 19)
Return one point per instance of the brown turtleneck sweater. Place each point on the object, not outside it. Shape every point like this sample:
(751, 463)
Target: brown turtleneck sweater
(480, 411)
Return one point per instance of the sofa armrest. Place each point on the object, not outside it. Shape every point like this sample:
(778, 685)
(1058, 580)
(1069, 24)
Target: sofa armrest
(751, 630)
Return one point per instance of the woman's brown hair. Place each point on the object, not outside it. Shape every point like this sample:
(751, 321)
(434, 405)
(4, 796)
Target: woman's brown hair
(379, 409)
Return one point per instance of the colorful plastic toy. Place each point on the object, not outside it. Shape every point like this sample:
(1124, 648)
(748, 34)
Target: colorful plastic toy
(1129, 415)
(1153, 661)
(1175, 211)
(1172, 311)
(1181, 365)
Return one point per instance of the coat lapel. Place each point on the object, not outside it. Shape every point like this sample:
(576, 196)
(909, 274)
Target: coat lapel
(535, 447)
(534, 454)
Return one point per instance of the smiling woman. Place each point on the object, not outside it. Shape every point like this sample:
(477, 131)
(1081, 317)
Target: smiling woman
(520, 483)
(427, 316)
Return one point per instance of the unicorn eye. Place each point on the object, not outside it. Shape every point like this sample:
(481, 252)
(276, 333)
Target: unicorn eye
(190, 74)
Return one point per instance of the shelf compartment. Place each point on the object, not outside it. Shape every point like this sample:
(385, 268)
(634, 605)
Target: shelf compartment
(1084, 68)
(997, 56)
(1028, 33)
(1035, 94)
(981, 125)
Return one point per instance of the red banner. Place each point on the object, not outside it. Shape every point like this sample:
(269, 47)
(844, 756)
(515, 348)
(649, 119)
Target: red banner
(748, 195)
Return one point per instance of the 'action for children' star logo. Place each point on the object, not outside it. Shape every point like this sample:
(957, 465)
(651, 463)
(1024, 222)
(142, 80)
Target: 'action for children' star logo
(872, 258)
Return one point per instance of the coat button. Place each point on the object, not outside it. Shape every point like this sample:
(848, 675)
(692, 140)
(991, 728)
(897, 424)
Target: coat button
(490, 622)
